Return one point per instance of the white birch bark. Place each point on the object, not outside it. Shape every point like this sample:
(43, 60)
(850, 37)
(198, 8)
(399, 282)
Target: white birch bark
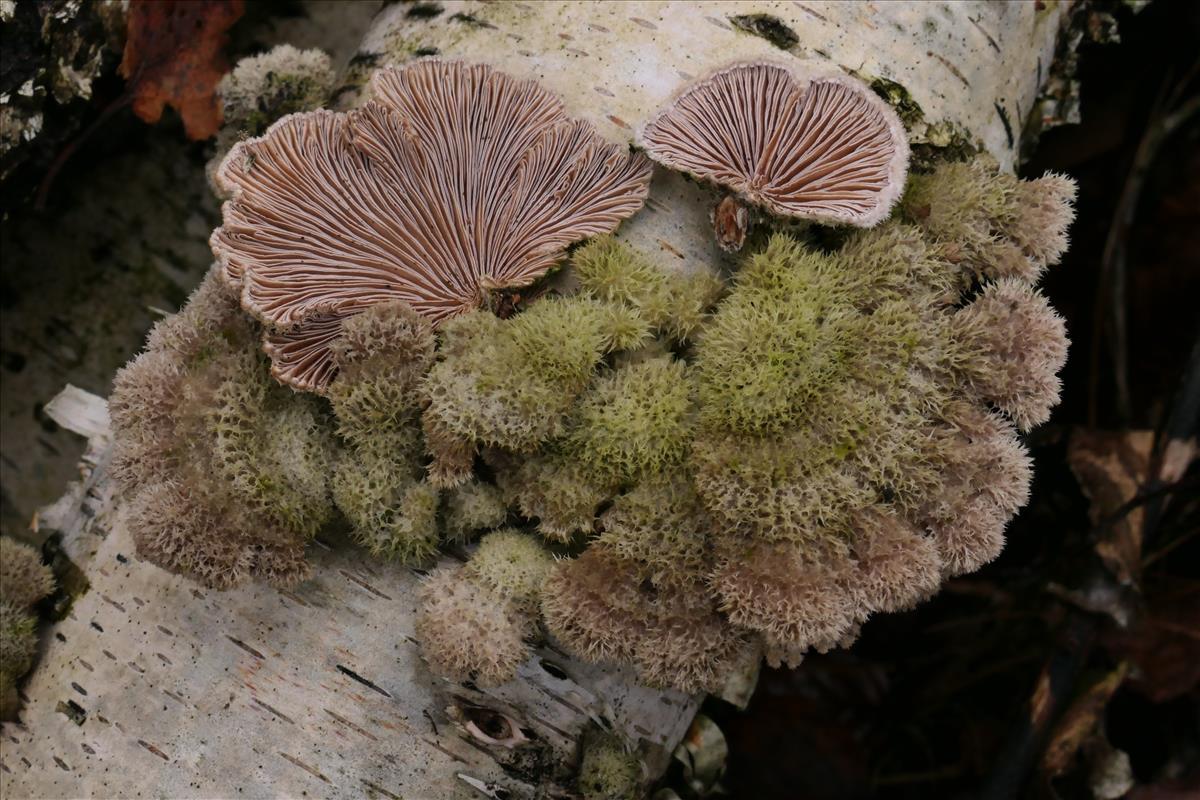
(153, 687)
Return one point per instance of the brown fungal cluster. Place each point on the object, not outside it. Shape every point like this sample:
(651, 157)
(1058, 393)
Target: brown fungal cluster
(452, 181)
(714, 468)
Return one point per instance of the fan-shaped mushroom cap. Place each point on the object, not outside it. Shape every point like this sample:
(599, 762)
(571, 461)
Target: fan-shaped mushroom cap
(801, 143)
(454, 180)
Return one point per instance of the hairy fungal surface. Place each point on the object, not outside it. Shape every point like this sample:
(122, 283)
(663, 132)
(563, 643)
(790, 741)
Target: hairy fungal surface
(24, 580)
(284, 80)
(224, 471)
(798, 141)
(378, 481)
(848, 441)
(333, 213)
(227, 474)
(608, 770)
(475, 620)
(991, 222)
(846, 451)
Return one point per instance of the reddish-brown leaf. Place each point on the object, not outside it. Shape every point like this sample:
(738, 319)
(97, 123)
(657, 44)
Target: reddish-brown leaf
(1081, 722)
(173, 57)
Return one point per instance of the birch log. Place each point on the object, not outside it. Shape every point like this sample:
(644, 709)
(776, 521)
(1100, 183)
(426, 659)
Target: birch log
(154, 687)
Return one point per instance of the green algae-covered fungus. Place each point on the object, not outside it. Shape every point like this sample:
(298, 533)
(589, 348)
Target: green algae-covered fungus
(262, 88)
(852, 438)
(513, 385)
(475, 619)
(674, 305)
(24, 579)
(471, 507)
(668, 471)
(511, 564)
(998, 226)
(634, 421)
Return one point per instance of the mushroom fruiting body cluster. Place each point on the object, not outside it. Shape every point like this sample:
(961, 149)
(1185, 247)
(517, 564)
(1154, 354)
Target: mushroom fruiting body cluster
(756, 464)
(453, 180)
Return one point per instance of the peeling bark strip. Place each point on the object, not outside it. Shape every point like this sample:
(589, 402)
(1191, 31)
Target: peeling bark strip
(219, 734)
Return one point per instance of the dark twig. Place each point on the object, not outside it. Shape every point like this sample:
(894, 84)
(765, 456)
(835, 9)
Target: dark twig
(1151, 493)
(1158, 554)
(1166, 116)
(1055, 684)
(1180, 424)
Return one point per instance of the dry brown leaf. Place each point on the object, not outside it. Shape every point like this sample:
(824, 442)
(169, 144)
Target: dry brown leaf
(1111, 466)
(173, 57)
(1081, 722)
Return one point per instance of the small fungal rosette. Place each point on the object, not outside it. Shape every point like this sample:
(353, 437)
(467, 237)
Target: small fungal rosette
(454, 180)
(794, 140)
(475, 619)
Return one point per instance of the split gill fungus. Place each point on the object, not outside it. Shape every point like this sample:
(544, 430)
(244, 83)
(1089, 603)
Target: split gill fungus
(453, 180)
(674, 471)
(794, 140)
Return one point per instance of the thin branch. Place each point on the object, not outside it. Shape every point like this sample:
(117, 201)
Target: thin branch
(1168, 547)
(1111, 308)
(1148, 494)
